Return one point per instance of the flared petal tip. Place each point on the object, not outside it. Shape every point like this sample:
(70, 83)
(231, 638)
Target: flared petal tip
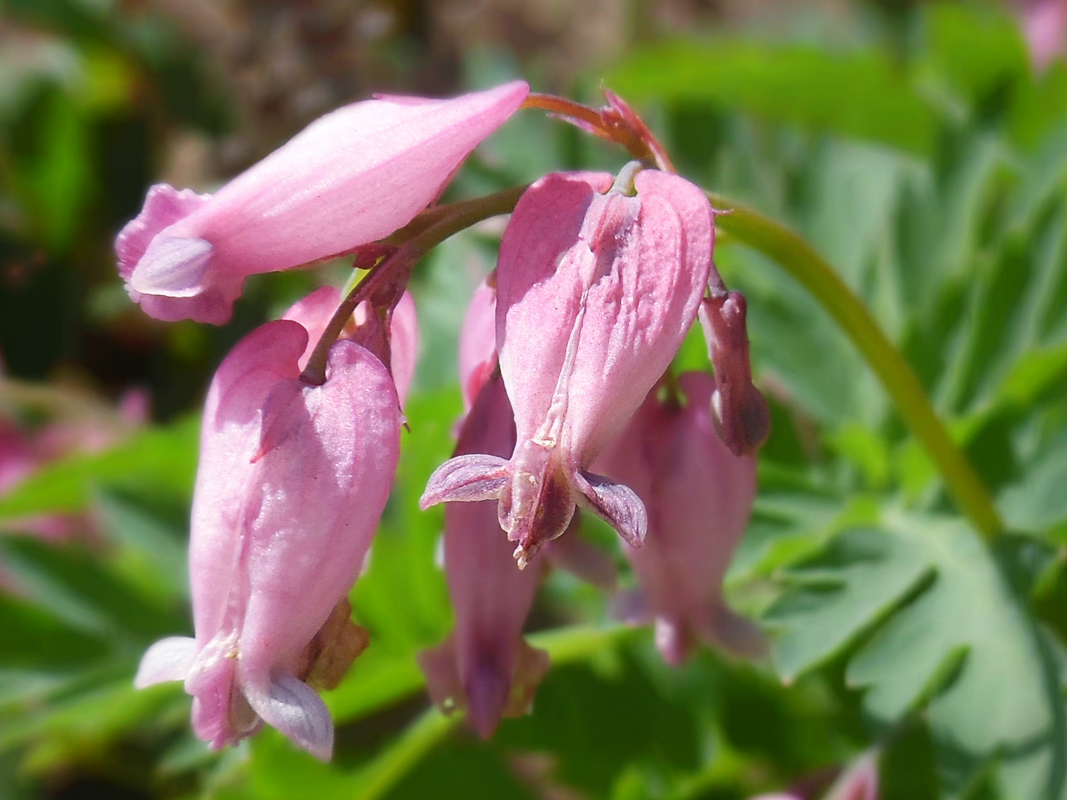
(487, 696)
(168, 659)
(293, 708)
(465, 479)
(172, 267)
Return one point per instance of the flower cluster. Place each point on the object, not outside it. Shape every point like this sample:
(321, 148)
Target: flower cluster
(565, 363)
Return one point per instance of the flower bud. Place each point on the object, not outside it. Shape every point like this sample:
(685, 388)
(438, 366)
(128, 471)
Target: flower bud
(350, 178)
(742, 418)
(596, 287)
(292, 481)
(698, 497)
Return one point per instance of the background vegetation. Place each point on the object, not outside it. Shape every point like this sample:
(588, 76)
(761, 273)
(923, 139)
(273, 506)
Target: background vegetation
(913, 145)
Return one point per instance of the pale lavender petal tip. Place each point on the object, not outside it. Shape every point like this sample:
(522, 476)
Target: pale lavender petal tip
(167, 660)
(615, 503)
(292, 707)
(164, 205)
(172, 267)
(466, 479)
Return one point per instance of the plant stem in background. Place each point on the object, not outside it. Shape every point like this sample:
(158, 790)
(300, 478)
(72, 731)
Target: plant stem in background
(812, 271)
(564, 646)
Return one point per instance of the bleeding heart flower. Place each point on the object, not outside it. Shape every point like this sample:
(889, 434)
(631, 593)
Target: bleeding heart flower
(597, 286)
(350, 178)
(698, 496)
(485, 666)
(292, 481)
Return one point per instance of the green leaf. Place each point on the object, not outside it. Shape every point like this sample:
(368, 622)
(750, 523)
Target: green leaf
(80, 589)
(595, 722)
(861, 94)
(977, 50)
(1036, 502)
(402, 599)
(858, 580)
(948, 648)
(36, 639)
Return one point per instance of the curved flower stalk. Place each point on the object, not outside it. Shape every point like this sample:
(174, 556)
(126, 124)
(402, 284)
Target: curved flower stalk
(292, 481)
(398, 349)
(350, 178)
(597, 285)
(698, 497)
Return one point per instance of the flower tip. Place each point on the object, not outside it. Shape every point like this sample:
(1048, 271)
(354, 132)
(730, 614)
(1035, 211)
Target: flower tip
(487, 695)
(172, 267)
(744, 429)
(168, 659)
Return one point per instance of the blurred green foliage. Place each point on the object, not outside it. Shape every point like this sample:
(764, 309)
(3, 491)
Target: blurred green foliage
(916, 149)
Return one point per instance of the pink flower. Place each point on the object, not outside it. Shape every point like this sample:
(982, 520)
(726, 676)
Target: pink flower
(477, 344)
(351, 177)
(485, 666)
(698, 497)
(859, 782)
(292, 481)
(1044, 24)
(597, 286)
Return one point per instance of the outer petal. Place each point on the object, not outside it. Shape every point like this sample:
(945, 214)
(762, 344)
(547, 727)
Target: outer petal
(226, 480)
(477, 343)
(322, 494)
(622, 276)
(595, 293)
(351, 177)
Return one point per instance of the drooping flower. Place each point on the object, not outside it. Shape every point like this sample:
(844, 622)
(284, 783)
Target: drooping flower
(350, 178)
(698, 497)
(485, 666)
(292, 481)
(597, 285)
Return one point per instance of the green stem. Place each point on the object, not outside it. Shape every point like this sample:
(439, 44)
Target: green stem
(801, 261)
(405, 752)
(565, 645)
(445, 221)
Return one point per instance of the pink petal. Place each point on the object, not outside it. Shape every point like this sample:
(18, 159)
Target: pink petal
(350, 178)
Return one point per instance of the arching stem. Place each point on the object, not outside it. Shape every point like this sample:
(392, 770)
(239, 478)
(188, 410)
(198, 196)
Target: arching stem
(812, 271)
(395, 270)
